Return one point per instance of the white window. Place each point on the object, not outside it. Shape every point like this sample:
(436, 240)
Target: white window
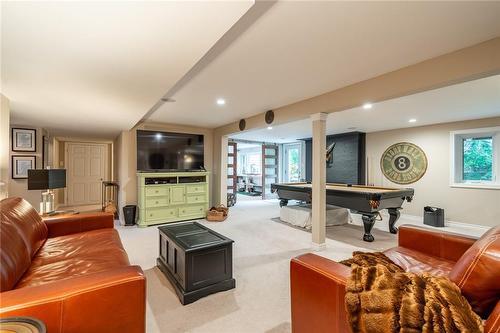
(475, 158)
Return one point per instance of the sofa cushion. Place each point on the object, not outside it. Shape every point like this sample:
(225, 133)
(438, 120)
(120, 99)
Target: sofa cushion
(75, 255)
(418, 262)
(77, 245)
(27, 220)
(14, 256)
(476, 273)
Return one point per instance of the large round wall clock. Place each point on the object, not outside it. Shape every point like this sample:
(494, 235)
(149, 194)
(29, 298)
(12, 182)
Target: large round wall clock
(403, 163)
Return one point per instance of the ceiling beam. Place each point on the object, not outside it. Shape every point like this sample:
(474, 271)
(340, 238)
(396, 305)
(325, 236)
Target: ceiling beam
(474, 62)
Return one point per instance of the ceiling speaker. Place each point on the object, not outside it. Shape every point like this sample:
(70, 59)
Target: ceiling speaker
(242, 124)
(269, 117)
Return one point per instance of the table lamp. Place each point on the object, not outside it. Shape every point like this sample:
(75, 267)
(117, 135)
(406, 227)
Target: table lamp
(46, 179)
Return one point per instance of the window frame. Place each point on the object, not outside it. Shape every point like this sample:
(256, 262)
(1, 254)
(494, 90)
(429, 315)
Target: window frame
(456, 157)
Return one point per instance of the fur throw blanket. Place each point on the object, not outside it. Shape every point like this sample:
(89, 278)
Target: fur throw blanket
(381, 297)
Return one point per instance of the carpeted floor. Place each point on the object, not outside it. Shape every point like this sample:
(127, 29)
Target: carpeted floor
(353, 235)
(261, 255)
(262, 252)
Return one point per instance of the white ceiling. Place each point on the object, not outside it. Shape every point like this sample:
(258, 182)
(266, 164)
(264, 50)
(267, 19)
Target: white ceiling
(95, 68)
(469, 100)
(297, 50)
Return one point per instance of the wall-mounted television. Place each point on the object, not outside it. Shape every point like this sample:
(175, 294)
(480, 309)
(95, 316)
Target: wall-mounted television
(167, 151)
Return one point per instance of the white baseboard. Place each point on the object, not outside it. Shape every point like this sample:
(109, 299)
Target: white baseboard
(318, 247)
(466, 225)
(457, 227)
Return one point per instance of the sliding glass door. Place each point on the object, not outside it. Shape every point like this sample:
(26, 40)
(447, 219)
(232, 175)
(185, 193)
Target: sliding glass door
(292, 162)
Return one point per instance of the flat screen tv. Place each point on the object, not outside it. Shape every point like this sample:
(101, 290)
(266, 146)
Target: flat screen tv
(165, 151)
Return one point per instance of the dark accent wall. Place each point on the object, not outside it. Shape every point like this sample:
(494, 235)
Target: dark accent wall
(348, 158)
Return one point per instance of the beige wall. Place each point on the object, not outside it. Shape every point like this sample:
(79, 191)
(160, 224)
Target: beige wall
(481, 60)
(4, 147)
(466, 205)
(125, 150)
(19, 187)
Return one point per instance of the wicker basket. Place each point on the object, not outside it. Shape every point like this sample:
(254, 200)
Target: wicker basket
(217, 214)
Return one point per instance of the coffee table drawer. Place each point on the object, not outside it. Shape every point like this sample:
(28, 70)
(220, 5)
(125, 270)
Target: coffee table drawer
(192, 210)
(156, 202)
(156, 191)
(160, 213)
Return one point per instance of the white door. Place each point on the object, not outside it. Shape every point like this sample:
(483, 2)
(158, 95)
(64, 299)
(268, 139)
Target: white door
(292, 162)
(86, 168)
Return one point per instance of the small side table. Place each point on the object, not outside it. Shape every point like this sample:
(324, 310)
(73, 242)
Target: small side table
(60, 214)
(22, 324)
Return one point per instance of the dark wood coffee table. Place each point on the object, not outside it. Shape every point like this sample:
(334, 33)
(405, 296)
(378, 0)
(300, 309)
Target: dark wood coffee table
(196, 260)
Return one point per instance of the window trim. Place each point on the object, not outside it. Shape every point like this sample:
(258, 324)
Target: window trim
(456, 158)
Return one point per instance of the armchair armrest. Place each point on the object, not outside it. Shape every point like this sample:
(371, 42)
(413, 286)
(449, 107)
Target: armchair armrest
(435, 243)
(317, 288)
(111, 301)
(71, 224)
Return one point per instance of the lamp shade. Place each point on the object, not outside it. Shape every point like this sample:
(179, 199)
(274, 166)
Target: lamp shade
(46, 179)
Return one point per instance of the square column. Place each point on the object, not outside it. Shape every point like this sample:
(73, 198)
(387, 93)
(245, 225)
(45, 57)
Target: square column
(318, 190)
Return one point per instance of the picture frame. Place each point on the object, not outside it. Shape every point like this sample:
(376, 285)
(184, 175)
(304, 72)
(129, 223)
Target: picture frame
(21, 164)
(23, 139)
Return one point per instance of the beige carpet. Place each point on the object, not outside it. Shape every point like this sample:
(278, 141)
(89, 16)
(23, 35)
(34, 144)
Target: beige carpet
(262, 252)
(353, 235)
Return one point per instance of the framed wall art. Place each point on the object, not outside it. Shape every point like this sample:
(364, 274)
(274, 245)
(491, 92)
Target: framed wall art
(21, 164)
(403, 163)
(23, 140)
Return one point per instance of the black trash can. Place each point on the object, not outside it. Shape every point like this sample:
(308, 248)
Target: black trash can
(434, 216)
(129, 214)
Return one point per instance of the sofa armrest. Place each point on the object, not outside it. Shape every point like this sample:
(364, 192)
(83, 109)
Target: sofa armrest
(435, 243)
(317, 287)
(492, 324)
(72, 224)
(111, 301)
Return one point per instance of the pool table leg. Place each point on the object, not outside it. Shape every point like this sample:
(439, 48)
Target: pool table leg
(283, 202)
(368, 222)
(393, 217)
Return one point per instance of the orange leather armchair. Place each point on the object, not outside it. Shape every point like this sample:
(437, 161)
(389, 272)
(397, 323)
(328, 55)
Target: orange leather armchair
(72, 273)
(318, 284)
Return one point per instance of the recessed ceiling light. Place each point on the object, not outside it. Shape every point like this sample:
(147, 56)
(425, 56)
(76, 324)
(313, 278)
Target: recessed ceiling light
(269, 127)
(221, 101)
(412, 120)
(158, 136)
(367, 106)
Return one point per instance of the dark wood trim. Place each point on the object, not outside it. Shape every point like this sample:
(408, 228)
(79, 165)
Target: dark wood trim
(233, 166)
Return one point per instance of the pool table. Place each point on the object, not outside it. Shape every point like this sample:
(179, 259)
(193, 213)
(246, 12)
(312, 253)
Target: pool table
(365, 200)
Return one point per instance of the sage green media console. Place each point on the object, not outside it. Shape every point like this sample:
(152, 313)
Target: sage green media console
(172, 196)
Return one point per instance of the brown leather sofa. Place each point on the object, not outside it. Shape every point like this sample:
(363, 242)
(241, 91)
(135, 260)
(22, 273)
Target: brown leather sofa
(71, 272)
(318, 284)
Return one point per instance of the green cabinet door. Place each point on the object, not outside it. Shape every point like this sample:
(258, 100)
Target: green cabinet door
(177, 194)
